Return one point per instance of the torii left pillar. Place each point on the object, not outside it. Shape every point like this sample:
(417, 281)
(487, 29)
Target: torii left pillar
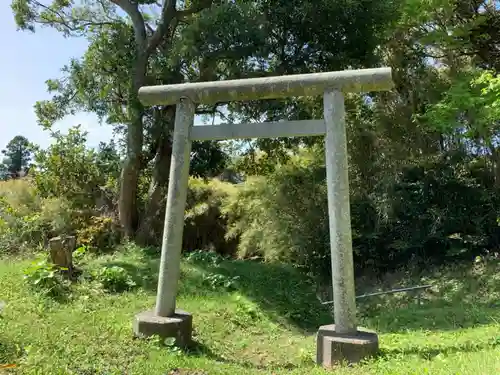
(167, 321)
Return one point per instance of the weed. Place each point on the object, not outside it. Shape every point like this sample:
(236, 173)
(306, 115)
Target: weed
(45, 278)
(115, 279)
(259, 328)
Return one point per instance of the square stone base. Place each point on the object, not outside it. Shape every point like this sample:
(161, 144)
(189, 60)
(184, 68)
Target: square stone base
(334, 348)
(178, 326)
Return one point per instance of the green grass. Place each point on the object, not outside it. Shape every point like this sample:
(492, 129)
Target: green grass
(264, 325)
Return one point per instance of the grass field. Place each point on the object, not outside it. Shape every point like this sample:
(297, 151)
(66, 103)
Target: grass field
(249, 318)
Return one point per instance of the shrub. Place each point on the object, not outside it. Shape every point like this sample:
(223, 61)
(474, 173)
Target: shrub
(69, 169)
(115, 279)
(433, 211)
(19, 219)
(204, 257)
(439, 210)
(65, 195)
(45, 278)
(26, 220)
(283, 217)
(204, 224)
(99, 233)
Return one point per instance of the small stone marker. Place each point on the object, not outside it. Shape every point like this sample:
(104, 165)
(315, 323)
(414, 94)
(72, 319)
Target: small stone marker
(61, 252)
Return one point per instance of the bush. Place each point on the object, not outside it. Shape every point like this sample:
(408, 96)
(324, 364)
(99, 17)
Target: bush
(434, 211)
(99, 233)
(204, 224)
(115, 279)
(45, 278)
(20, 222)
(26, 220)
(283, 217)
(65, 195)
(439, 210)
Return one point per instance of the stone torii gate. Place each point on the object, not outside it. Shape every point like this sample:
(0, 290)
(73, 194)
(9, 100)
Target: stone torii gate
(342, 340)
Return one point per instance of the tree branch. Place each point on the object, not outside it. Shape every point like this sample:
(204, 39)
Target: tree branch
(168, 13)
(202, 4)
(73, 27)
(135, 15)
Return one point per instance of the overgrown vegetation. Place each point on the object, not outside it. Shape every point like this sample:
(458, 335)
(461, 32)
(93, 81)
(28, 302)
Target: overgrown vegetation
(424, 161)
(424, 165)
(264, 323)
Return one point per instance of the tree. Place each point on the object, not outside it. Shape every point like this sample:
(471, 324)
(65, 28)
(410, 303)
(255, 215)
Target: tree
(471, 110)
(195, 40)
(18, 153)
(4, 172)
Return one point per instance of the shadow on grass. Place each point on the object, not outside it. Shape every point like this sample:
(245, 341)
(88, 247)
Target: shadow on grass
(287, 296)
(428, 353)
(198, 349)
(437, 317)
(462, 296)
(9, 351)
(281, 291)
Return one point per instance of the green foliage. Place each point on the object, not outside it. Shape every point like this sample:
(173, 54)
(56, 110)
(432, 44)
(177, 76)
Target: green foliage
(204, 223)
(99, 233)
(26, 220)
(207, 258)
(434, 211)
(70, 192)
(45, 278)
(283, 216)
(217, 281)
(115, 279)
(132, 46)
(79, 253)
(18, 154)
(69, 169)
(454, 330)
(471, 108)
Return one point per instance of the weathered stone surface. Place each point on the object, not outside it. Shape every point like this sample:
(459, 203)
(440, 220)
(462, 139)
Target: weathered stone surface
(334, 348)
(339, 215)
(344, 342)
(174, 214)
(178, 326)
(312, 84)
(61, 251)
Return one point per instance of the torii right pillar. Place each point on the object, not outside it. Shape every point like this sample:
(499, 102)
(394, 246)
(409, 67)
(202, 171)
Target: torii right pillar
(342, 341)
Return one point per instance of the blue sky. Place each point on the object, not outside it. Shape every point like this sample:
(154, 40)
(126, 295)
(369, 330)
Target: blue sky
(28, 60)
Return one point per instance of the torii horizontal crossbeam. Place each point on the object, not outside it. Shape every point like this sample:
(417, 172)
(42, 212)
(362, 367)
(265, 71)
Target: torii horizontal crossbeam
(302, 128)
(313, 84)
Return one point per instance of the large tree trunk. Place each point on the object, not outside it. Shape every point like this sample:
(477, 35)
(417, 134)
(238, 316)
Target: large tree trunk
(159, 179)
(129, 179)
(495, 155)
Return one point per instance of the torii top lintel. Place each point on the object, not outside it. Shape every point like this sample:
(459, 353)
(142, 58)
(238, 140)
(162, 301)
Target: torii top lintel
(313, 84)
